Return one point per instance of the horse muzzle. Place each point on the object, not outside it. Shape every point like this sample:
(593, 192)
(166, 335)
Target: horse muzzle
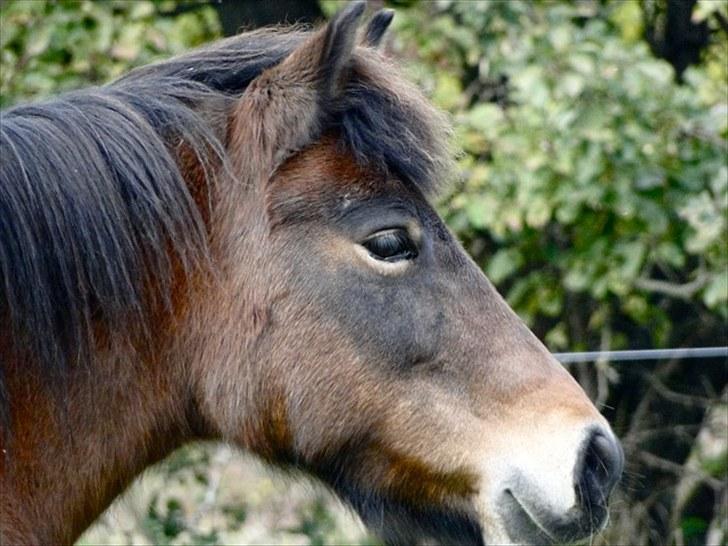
(553, 494)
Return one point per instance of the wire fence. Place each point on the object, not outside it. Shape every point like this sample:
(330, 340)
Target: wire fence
(645, 354)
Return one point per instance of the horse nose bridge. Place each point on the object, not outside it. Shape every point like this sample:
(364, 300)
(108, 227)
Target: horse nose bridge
(493, 336)
(521, 374)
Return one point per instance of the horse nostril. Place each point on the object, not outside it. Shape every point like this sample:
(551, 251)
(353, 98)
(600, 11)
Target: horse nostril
(601, 468)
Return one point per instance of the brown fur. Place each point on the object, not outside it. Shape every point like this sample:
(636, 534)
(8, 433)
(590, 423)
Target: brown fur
(413, 480)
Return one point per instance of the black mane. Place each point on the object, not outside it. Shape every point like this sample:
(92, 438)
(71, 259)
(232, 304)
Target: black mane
(94, 208)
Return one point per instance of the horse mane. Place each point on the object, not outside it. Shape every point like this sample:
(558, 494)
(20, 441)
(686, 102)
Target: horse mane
(94, 206)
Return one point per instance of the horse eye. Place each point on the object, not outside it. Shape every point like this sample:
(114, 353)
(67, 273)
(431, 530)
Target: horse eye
(392, 245)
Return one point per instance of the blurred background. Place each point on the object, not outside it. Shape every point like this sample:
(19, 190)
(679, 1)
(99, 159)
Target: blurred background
(592, 189)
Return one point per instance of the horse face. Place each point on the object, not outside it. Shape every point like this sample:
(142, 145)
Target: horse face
(404, 380)
(378, 356)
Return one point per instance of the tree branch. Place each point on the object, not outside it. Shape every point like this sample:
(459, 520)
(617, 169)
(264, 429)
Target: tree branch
(680, 291)
(665, 465)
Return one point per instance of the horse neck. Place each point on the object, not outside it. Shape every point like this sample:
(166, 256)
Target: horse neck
(69, 456)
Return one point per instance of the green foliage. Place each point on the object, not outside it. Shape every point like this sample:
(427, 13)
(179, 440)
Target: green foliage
(590, 175)
(47, 47)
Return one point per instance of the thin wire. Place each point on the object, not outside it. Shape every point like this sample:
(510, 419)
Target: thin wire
(647, 354)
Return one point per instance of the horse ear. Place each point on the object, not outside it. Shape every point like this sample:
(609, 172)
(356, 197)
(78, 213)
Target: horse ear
(285, 106)
(320, 61)
(339, 42)
(377, 27)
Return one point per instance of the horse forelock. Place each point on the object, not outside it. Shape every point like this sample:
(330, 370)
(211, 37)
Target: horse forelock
(386, 123)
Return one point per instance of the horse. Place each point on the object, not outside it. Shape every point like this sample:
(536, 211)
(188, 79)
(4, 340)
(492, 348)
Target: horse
(239, 244)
